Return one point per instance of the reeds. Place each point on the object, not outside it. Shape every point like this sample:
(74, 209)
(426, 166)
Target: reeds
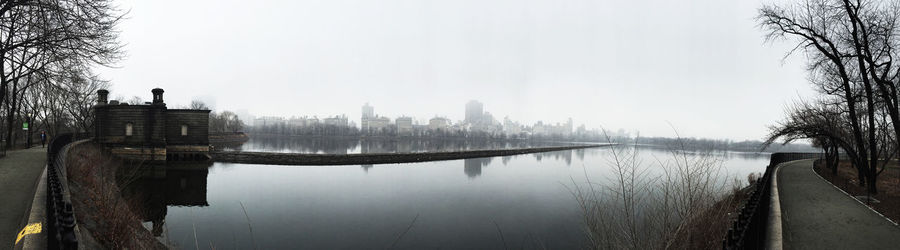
(680, 201)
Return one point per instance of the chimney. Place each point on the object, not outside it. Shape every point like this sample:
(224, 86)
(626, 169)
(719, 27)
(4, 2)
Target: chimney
(101, 96)
(158, 96)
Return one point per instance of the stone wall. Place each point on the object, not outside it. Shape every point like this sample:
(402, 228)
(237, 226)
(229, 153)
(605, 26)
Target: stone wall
(197, 122)
(148, 124)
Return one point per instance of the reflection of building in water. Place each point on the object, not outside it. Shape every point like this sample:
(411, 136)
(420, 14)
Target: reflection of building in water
(404, 146)
(327, 145)
(150, 196)
(366, 167)
(472, 167)
(565, 155)
(376, 146)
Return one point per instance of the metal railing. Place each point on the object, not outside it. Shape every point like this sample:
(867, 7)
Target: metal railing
(748, 230)
(60, 215)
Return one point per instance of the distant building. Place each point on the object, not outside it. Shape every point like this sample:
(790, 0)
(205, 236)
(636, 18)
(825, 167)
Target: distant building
(510, 127)
(541, 129)
(378, 124)
(297, 121)
(438, 123)
(340, 121)
(538, 129)
(368, 112)
(404, 126)
(312, 121)
(265, 121)
(474, 112)
(151, 132)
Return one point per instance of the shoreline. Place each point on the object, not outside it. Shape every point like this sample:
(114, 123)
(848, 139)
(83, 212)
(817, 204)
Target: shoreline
(379, 158)
(227, 138)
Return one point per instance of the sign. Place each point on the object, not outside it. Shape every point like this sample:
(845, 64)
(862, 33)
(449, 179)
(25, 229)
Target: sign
(25, 126)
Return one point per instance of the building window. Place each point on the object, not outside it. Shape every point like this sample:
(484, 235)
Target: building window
(183, 130)
(129, 127)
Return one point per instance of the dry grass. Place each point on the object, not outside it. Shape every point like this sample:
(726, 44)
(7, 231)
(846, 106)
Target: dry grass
(99, 206)
(685, 206)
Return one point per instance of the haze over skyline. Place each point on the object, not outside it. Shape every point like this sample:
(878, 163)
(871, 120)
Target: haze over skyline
(702, 66)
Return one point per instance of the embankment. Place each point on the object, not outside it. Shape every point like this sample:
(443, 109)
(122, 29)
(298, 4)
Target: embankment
(363, 159)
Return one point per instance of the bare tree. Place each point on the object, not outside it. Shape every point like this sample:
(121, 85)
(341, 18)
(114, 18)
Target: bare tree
(51, 37)
(226, 121)
(820, 121)
(198, 105)
(850, 46)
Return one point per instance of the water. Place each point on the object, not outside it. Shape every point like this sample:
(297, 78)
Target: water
(454, 204)
(355, 145)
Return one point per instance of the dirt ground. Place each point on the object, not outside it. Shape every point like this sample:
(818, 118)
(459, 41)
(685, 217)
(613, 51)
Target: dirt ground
(888, 185)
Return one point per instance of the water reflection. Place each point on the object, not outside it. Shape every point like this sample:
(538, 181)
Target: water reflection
(565, 155)
(354, 145)
(153, 191)
(341, 207)
(472, 167)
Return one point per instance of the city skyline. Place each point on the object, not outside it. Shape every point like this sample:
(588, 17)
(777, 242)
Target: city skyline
(478, 119)
(702, 66)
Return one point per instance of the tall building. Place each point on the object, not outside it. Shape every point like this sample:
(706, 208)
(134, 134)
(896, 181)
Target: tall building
(474, 112)
(368, 113)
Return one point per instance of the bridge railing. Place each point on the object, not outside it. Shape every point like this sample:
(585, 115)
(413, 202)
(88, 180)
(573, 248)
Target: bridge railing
(60, 215)
(748, 230)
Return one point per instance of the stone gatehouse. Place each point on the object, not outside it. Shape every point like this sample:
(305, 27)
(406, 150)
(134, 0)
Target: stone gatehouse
(150, 131)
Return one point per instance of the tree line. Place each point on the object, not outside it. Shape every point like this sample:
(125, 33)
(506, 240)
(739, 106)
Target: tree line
(850, 47)
(704, 144)
(47, 51)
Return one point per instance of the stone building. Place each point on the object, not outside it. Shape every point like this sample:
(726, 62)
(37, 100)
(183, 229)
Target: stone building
(150, 131)
(404, 126)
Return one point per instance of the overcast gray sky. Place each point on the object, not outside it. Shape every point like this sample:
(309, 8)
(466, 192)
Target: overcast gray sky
(701, 65)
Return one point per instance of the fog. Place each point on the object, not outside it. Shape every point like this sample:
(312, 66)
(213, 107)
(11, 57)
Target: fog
(701, 66)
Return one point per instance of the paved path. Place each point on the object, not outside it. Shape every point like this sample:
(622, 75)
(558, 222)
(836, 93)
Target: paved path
(19, 173)
(816, 215)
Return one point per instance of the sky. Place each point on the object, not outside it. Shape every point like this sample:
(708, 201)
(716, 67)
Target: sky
(701, 67)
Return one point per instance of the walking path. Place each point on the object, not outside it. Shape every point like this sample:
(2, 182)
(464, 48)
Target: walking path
(816, 215)
(20, 171)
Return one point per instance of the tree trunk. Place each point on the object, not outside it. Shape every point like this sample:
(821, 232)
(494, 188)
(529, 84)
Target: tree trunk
(837, 161)
(872, 187)
(861, 174)
(10, 116)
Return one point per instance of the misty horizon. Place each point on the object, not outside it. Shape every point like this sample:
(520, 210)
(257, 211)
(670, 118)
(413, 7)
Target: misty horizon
(703, 67)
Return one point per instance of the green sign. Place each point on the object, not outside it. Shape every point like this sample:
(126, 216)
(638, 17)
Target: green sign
(24, 126)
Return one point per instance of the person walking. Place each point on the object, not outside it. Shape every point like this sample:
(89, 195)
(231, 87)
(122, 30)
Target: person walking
(43, 138)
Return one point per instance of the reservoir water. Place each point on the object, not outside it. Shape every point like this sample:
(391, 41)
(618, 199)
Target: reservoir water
(485, 203)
